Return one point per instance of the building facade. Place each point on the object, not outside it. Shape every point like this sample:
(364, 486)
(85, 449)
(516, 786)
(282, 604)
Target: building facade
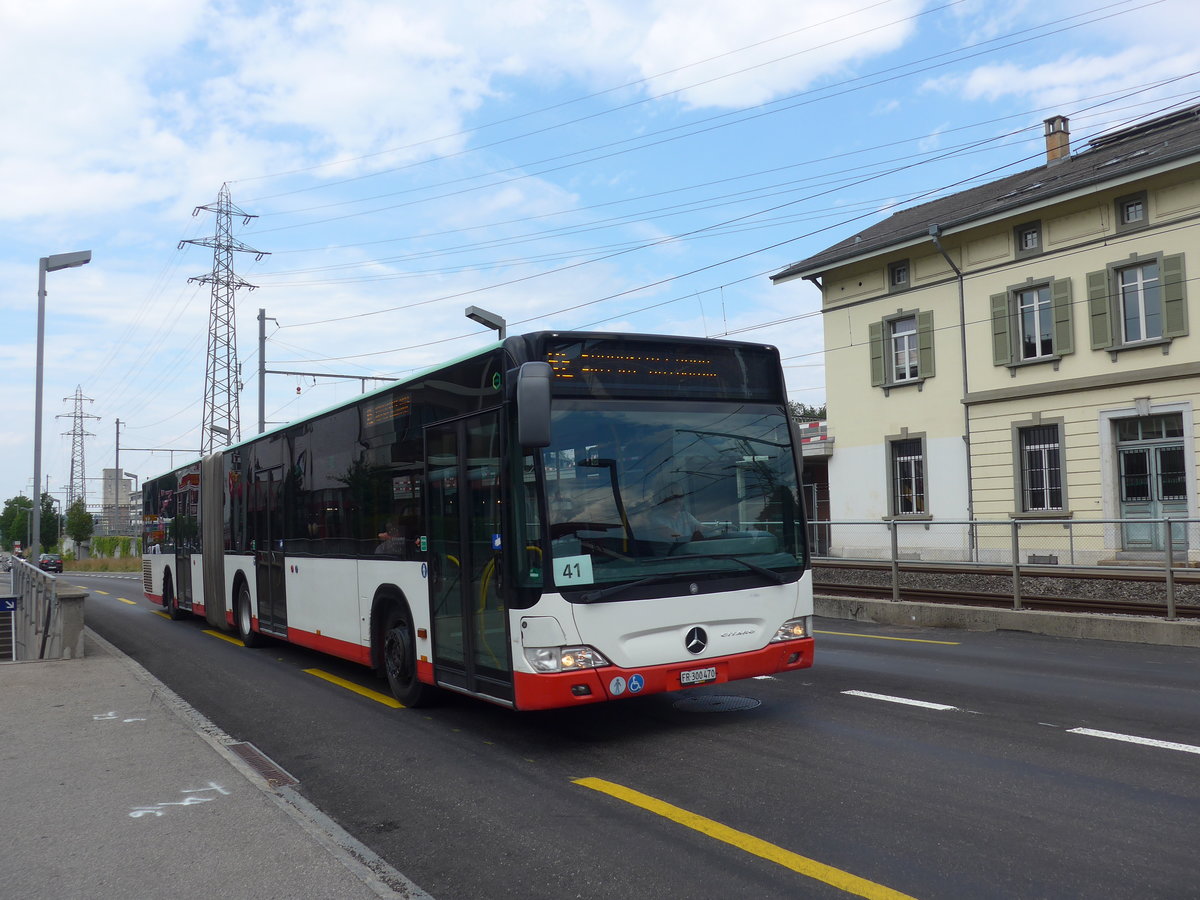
(1023, 351)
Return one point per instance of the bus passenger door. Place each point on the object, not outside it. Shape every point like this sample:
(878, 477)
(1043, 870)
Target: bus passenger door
(268, 551)
(470, 624)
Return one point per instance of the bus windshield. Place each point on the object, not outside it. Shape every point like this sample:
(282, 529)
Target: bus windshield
(650, 492)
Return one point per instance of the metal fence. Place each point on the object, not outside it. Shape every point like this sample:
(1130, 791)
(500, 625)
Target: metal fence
(1162, 547)
(48, 623)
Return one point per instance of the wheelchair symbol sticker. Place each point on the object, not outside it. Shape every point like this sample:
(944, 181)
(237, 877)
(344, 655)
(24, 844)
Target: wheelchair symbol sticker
(636, 683)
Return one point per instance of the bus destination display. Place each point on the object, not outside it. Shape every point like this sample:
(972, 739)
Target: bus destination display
(620, 368)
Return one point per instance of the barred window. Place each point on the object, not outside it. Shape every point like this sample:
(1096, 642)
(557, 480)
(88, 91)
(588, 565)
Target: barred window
(908, 478)
(1041, 468)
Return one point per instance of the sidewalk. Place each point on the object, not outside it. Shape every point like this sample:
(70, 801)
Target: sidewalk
(111, 787)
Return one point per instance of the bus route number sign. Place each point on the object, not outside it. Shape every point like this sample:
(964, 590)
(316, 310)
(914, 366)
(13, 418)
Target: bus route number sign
(573, 570)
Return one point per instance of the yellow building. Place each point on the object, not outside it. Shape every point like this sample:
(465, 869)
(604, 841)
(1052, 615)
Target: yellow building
(1022, 350)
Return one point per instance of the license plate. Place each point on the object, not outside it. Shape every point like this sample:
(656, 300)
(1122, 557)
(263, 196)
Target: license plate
(698, 676)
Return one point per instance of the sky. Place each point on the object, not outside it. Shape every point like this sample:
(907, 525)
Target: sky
(614, 165)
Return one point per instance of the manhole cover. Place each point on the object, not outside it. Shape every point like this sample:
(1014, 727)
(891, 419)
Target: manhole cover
(716, 703)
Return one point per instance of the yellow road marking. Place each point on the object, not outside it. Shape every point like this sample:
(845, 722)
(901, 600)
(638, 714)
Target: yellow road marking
(852, 884)
(881, 637)
(130, 602)
(105, 593)
(224, 637)
(358, 689)
(159, 612)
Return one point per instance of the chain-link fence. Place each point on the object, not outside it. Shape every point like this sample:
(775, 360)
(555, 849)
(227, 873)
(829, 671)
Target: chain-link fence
(1027, 549)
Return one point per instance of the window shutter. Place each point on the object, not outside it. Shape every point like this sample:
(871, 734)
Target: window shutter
(1175, 323)
(1060, 299)
(1099, 310)
(877, 348)
(925, 344)
(1001, 343)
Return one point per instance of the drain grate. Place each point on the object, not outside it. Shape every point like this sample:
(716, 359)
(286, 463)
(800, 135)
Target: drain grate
(716, 703)
(263, 765)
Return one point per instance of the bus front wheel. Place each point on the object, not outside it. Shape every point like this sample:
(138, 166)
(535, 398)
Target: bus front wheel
(241, 618)
(400, 658)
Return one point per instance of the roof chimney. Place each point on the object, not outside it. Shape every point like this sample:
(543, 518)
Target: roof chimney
(1058, 139)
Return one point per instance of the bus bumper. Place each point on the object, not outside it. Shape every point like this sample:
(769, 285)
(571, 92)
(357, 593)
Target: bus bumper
(561, 689)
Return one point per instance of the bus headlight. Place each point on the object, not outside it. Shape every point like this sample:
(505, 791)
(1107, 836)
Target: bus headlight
(792, 629)
(564, 659)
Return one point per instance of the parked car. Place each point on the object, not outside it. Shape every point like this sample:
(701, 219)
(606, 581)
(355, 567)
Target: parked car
(50, 562)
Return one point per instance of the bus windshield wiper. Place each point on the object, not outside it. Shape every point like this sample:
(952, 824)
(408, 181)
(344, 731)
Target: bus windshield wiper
(603, 593)
(777, 577)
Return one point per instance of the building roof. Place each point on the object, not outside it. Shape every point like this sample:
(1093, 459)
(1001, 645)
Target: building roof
(1107, 158)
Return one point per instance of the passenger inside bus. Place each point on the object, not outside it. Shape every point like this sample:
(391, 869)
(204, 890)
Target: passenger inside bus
(390, 541)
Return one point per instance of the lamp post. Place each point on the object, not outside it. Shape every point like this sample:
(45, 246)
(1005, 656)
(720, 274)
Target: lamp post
(45, 264)
(490, 319)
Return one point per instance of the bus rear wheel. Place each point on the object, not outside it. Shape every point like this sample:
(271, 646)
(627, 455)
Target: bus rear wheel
(242, 620)
(400, 659)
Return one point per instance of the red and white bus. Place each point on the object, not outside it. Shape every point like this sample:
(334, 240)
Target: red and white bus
(559, 519)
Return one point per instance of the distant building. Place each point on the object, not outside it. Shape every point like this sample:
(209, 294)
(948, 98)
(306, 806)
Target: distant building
(116, 515)
(1023, 349)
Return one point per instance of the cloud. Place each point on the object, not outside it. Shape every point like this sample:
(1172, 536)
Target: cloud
(811, 41)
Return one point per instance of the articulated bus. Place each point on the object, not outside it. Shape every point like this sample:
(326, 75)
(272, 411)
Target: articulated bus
(559, 519)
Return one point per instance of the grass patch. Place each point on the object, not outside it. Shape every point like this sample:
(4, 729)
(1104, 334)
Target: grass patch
(116, 564)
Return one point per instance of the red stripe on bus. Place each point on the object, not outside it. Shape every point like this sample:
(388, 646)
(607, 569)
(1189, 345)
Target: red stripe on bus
(333, 646)
(560, 689)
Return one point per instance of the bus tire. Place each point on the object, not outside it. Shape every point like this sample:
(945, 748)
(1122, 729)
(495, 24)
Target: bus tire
(169, 602)
(400, 658)
(242, 620)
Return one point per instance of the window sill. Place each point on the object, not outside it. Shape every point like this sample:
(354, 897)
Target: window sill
(1050, 514)
(908, 517)
(889, 386)
(1054, 360)
(1117, 349)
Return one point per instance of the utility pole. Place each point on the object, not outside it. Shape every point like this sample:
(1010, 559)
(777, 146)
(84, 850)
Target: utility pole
(77, 486)
(222, 416)
(262, 368)
(263, 371)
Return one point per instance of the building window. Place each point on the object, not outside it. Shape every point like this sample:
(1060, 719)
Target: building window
(1041, 468)
(1035, 320)
(1032, 323)
(1141, 303)
(1028, 239)
(904, 353)
(898, 275)
(1138, 301)
(1131, 212)
(908, 477)
(902, 349)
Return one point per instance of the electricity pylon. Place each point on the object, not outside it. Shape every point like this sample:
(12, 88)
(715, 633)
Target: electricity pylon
(77, 486)
(221, 424)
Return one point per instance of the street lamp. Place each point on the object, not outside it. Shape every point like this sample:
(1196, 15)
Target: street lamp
(483, 317)
(45, 264)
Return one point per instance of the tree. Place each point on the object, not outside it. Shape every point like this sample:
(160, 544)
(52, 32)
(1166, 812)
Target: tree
(80, 523)
(14, 521)
(50, 525)
(805, 413)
